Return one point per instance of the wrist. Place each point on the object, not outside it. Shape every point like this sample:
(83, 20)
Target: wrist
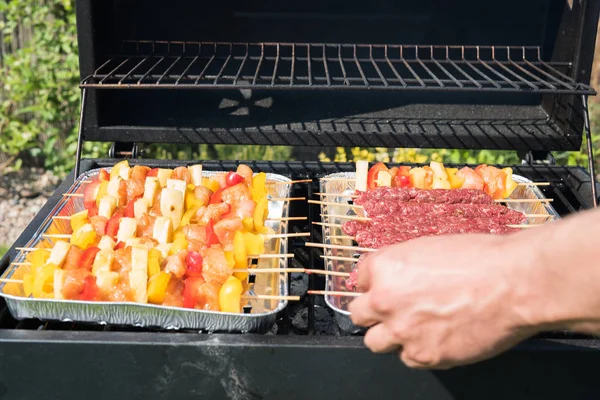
(554, 288)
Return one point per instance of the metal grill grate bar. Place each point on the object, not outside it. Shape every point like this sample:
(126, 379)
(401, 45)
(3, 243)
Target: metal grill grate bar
(189, 65)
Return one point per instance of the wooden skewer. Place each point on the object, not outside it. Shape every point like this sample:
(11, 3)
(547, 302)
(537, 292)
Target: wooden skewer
(289, 182)
(270, 297)
(60, 217)
(57, 235)
(4, 280)
(328, 224)
(20, 263)
(354, 196)
(287, 235)
(72, 194)
(339, 247)
(340, 237)
(337, 258)
(534, 184)
(333, 203)
(267, 256)
(288, 219)
(523, 200)
(352, 217)
(26, 249)
(334, 293)
(299, 270)
(322, 272)
(269, 270)
(358, 218)
(286, 198)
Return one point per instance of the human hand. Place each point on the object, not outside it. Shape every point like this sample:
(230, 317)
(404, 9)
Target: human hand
(444, 301)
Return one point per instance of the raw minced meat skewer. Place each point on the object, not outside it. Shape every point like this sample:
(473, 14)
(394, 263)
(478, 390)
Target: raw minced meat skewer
(450, 210)
(447, 196)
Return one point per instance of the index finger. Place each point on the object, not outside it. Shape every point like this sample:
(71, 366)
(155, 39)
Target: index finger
(363, 277)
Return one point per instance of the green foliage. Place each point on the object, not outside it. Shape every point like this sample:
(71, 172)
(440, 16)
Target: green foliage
(39, 103)
(218, 152)
(3, 250)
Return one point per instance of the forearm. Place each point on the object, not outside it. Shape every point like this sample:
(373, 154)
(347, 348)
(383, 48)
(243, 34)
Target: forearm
(556, 271)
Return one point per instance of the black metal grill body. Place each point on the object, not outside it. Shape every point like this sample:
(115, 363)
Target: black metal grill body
(433, 73)
(427, 74)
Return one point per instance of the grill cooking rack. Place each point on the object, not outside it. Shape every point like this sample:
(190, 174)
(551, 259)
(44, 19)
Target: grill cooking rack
(570, 188)
(192, 65)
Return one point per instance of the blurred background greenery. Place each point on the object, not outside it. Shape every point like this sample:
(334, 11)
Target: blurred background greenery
(39, 104)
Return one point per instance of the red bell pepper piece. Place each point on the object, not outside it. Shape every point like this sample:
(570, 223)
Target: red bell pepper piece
(103, 175)
(87, 258)
(215, 198)
(190, 291)
(90, 193)
(211, 237)
(373, 173)
(112, 226)
(90, 289)
(193, 260)
(153, 172)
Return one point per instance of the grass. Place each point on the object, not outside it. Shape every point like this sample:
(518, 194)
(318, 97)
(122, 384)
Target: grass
(3, 250)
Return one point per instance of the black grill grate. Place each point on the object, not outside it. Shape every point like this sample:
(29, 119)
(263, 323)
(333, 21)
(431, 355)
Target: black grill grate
(189, 65)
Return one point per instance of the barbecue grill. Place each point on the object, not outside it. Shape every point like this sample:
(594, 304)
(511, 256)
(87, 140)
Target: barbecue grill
(433, 73)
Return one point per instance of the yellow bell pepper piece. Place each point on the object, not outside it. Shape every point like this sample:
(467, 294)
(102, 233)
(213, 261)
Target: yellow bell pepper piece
(115, 171)
(259, 186)
(248, 224)
(102, 191)
(178, 234)
(211, 184)
(510, 184)
(240, 255)
(191, 201)
(79, 219)
(230, 295)
(154, 258)
(84, 237)
(261, 211)
(43, 284)
(37, 259)
(187, 216)
(157, 287)
(178, 244)
(255, 244)
(230, 259)
(28, 284)
(455, 181)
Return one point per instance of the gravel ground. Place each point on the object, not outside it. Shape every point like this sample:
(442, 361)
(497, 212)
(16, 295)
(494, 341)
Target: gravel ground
(22, 194)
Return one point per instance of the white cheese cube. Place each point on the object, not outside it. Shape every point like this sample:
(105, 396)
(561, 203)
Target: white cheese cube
(177, 184)
(107, 206)
(150, 189)
(127, 229)
(362, 171)
(103, 261)
(140, 207)
(384, 178)
(138, 281)
(172, 205)
(59, 279)
(106, 280)
(139, 258)
(112, 189)
(162, 231)
(106, 243)
(163, 175)
(196, 173)
(59, 253)
(125, 172)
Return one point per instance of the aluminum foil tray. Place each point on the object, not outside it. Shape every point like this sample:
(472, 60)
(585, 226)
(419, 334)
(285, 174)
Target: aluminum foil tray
(261, 318)
(344, 184)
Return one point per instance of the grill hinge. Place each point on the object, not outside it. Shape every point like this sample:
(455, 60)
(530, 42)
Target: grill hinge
(123, 150)
(536, 158)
